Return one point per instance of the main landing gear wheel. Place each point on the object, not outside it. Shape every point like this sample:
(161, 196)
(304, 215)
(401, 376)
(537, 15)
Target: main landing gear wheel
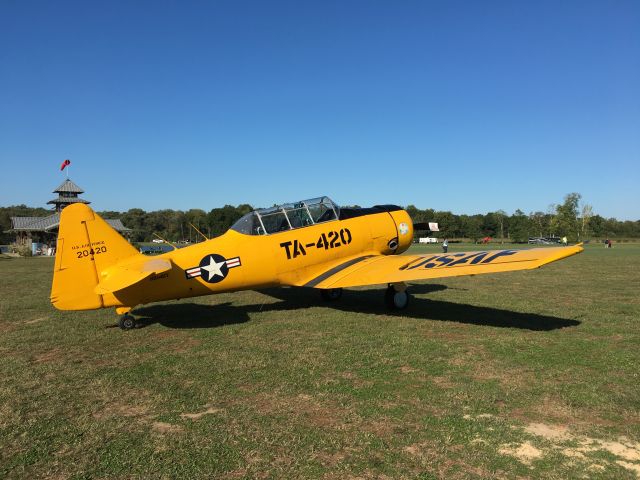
(331, 294)
(127, 322)
(396, 299)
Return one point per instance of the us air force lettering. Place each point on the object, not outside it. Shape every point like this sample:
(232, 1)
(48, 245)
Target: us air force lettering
(312, 243)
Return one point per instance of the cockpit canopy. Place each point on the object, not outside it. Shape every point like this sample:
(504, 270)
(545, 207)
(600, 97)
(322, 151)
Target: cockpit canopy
(288, 216)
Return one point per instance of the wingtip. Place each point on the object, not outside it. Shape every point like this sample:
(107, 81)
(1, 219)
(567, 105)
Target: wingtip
(577, 248)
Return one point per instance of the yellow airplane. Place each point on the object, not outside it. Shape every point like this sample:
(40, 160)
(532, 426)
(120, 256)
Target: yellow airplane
(312, 243)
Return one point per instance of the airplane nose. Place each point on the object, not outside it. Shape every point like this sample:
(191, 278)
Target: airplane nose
(405, 230)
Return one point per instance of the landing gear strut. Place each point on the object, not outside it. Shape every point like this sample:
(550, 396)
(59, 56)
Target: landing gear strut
(396, 297)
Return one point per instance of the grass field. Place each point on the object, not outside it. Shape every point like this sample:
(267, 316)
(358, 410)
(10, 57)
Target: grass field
(516, 375)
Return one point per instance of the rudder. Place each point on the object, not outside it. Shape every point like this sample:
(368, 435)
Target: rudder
(87, 245)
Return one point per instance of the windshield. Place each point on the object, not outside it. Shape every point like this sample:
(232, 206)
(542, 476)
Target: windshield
(285, 217)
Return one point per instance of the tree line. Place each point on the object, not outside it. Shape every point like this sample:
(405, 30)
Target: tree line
(571, 218)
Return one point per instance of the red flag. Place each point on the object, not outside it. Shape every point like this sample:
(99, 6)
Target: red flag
(65, 164)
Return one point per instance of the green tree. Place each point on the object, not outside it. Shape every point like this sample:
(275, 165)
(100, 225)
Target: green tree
(158, 222)
(596, 225)
(587, 213)
(519, 226)
(413, 212)
(567, 217)
(539, 221)
(553, 219)
(471, 226)
(448, 224)
(198, 218)
(490, 225)
(134, 219)
(419, 216)
(500, 217)
(220, 219)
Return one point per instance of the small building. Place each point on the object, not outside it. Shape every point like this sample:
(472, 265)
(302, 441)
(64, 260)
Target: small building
(40, 233)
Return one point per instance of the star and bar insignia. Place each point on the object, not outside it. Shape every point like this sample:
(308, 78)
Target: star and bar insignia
(213, 268)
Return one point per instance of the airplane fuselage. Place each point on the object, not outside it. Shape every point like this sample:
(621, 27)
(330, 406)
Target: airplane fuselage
(236, 261)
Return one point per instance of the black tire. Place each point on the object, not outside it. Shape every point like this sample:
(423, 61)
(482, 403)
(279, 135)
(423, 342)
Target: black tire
(396, 300)
(331, 294)
(127, 322)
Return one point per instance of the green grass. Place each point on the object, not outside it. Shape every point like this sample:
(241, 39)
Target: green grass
(282, 385)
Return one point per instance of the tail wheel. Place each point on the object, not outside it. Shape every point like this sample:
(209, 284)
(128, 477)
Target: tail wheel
(396, 300)
(127, 322)
(331, 294)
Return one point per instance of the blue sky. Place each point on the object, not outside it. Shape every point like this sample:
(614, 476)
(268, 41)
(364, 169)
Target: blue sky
(453, 105)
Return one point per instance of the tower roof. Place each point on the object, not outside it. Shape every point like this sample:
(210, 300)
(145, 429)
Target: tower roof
(68, 187)
(53, 221)
(67, 200)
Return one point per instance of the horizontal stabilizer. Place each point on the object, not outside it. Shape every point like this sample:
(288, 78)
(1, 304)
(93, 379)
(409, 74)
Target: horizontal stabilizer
(123, 275)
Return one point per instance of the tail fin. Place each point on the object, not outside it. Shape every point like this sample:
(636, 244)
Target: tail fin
(87, 245)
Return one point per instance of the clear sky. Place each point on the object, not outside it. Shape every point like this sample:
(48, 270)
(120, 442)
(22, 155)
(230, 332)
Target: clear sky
(468, 106)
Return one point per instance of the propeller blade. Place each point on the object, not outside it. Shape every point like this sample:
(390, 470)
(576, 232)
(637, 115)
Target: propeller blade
(421, 226)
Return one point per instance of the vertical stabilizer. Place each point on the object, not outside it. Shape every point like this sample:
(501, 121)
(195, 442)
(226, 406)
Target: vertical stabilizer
(87, 245)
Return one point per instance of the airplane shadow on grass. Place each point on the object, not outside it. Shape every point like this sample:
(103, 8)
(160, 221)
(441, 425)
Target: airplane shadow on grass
(192, 315)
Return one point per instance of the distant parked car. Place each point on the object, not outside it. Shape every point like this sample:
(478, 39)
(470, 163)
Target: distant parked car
(544, 240)
(155, 249)
(157, 240)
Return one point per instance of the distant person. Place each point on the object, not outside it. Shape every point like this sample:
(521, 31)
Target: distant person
(610, 243)
(606, 243)
(564, 241)
(445, 245)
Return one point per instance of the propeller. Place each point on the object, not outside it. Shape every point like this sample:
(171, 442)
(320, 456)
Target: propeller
(421, 226)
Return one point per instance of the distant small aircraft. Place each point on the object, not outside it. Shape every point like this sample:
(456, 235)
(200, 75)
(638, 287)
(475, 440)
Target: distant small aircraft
(311, 243)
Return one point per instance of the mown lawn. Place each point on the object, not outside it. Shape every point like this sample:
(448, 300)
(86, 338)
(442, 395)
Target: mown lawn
(516, 375)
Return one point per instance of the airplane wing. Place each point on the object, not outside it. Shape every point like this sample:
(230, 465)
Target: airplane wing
(123, 275)
(381, 269)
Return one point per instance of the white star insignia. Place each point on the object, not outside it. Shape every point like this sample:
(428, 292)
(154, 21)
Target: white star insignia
(214, 268)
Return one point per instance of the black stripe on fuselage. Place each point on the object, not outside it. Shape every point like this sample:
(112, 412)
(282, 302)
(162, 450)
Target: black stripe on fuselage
(334, 270)
(346, 212)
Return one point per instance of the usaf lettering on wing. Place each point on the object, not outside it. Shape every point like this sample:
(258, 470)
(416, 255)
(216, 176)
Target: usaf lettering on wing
(455, 259)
